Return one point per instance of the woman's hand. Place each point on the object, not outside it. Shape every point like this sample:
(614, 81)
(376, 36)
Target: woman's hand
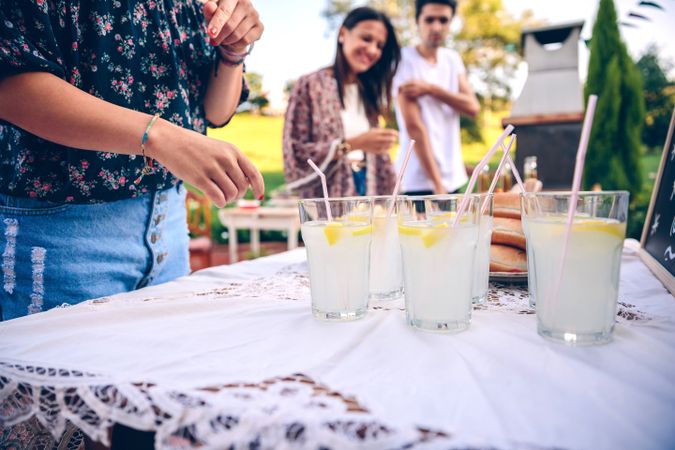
(375, 140)
(219, 169)
(234, 23)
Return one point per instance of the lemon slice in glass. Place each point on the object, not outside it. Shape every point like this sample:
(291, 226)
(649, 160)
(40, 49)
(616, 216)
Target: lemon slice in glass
(431, 237)
(615, 229)
(362, 231)
(409, 231)
(332, 230)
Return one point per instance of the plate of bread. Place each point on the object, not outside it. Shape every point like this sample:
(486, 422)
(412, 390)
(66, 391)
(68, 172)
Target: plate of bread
(508, 258)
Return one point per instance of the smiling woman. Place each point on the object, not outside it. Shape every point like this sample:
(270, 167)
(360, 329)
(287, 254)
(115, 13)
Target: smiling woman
(332, 115)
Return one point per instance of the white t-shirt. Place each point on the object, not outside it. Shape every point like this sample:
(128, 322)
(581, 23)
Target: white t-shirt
(354, 119)
(441, 121)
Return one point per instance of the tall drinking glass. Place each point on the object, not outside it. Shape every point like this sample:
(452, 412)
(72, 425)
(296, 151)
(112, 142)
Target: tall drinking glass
(531, 283)
(583, 309)
(338, 253)
(481, 274)
(386, 273)
(438, 262)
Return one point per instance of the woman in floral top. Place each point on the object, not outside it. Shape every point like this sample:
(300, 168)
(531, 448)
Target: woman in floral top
(333, 114)
(82, 214)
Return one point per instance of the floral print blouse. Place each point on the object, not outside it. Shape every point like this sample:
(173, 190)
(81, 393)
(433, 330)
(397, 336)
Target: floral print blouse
(147, 55)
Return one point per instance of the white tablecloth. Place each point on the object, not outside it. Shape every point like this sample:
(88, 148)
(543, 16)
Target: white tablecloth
(143, 359)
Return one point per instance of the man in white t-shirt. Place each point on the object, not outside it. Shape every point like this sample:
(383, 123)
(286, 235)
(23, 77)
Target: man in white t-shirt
(432, 90)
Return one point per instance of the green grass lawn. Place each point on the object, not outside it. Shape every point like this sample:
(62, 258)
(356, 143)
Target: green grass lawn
(259, 137)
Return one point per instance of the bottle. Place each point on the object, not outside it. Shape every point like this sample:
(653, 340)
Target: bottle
(506, 178)
(530, 167)
(484, 179)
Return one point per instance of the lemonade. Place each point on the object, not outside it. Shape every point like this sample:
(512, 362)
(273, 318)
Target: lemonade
(338, 254)
(337, 233)
(386, 273)
(481, 274)
(531, 283)
(438, 273)
(584, 309)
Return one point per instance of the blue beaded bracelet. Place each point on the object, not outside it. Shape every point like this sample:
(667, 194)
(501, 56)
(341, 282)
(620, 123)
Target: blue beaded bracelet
(147, 167)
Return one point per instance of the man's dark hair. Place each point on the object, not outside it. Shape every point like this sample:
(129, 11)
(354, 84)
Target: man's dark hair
(419, 4)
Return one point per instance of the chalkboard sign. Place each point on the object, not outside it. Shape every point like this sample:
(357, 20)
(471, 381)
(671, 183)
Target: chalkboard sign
(658, 237)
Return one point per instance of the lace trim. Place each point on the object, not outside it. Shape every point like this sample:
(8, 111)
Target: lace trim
(288, 412)
(31, 435)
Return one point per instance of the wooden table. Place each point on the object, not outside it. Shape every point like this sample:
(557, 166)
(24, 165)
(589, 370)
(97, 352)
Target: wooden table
(256, 219)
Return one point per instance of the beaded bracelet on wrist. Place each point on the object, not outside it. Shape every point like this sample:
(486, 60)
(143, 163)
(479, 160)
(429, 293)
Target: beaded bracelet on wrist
(147, 161)
(230, 58)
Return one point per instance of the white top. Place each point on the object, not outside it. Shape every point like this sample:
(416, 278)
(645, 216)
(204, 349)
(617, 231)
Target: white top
(498, 384)
(354, 119)
(441, 121)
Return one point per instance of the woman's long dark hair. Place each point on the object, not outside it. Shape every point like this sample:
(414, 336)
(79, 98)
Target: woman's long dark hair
(374, 84)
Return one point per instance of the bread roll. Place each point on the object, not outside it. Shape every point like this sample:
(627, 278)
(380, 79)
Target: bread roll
(508, 232)
(507, 205)
(507, 259)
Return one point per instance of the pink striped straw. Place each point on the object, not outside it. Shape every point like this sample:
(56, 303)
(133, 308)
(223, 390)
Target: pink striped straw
(476, 171)
(576, 186)
(397, 186)
(498, 172)
(324, 186)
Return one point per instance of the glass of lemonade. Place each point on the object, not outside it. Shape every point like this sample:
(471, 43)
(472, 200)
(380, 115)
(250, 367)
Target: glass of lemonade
(583, 310)
(438, 262)
(531, 283)
(338, 253)
(481, 274)
(386, 273)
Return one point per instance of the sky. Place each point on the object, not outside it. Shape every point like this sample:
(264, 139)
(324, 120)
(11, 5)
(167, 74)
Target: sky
(297, 41)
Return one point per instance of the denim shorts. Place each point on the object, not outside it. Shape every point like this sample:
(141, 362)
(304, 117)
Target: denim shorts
(55, 254)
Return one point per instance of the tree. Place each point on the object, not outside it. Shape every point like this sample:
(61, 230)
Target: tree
(659, 104)
(257, 98)
(613, 158)
(488, 41)
(288, 88)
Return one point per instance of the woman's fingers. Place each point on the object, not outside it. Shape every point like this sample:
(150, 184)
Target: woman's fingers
(212, 191)
(234, 23)
(240, 181)
(388, 136)
(220, 17)
(234, 173)
(380, 140)
(209, 9)
(253, 175)
(245, 34)
(231, 26)
(226, 185)
(253, 35)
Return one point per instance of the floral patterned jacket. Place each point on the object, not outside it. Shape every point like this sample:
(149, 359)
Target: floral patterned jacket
(313, 129)
(147, 55)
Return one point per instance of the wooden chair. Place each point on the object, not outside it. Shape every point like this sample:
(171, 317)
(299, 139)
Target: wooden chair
(199, 224)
